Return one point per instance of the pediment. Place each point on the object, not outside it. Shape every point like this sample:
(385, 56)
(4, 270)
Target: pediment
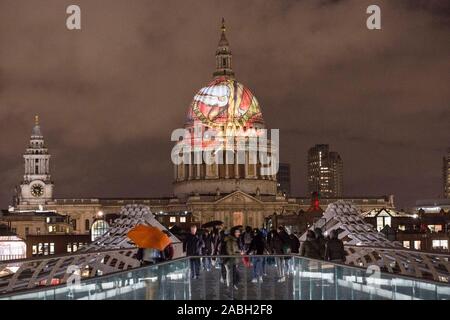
(238, 197)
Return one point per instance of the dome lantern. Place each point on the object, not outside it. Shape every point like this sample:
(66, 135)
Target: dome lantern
(223, 56)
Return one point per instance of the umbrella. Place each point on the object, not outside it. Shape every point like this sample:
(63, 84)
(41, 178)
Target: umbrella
(176, 229)
(212, 224)
(149, 237)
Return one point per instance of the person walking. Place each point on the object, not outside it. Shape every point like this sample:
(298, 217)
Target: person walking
(334, 249)
(169, 251)
(276, 247)
(193, 245)
(294, 243)
(257, 247)
(310, 248)
(232, 249)
(222, 250)
(207, 250)
(320, 239)
(246, 238)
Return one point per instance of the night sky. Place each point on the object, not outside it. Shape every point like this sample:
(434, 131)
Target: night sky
(110, 95)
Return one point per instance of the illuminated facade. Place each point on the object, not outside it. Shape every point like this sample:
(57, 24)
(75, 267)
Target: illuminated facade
(37, 187)
(229, 111)
(325, 172)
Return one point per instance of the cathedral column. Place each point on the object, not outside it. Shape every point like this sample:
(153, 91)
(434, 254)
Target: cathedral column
(236, 166)
(226, 170)
(191, 167)
(247, 158)
(198, 173)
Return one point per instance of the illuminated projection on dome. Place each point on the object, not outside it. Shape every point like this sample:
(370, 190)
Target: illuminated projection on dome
(225, 102)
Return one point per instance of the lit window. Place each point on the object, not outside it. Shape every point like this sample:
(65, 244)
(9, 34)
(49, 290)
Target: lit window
(69, 247)
(38, 231)
(435, 227)
(417, 244)
(74, 247)
(440, 244)
(401, 227)
(173, 219)
(98, 229)
(34, 250)
(407, 244)
(382, 222)
(183, 219)
(52, 248)
(46, 249)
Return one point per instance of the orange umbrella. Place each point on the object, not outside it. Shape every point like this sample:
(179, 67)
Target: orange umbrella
(149, 237)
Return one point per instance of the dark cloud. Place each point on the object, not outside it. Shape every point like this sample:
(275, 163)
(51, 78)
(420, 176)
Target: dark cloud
(110, 95)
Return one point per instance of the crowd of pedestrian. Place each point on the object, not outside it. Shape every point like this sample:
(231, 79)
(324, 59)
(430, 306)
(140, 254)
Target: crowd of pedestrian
(224, 248)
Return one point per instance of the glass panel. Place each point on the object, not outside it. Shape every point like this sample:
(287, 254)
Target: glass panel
(245, 278)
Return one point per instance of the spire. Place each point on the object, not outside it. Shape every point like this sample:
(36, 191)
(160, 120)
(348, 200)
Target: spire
(223, 55)
(37, 128)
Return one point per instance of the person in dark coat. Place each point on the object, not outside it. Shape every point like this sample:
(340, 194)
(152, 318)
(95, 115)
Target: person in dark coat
(295, 243)
(310, 248)
(232, 249)
(193, 245)
(334, 249)
(216, 236)
(246, 238)
(320, 239)
(275, 243)
(222, 250)
(207, 250)
(257, 247)
(169, 251)
(276, 247)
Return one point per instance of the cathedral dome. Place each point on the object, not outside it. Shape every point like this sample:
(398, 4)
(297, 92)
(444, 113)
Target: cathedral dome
(223, 103)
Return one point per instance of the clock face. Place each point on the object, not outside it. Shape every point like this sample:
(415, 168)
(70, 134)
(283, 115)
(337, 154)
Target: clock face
(37, 190)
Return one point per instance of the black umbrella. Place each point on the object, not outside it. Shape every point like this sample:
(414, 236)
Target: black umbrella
(212, 224)
(176, 229)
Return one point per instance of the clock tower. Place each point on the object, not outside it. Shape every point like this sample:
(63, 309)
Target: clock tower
(37, 187)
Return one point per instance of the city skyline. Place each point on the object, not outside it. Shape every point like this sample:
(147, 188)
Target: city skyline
(130, 128)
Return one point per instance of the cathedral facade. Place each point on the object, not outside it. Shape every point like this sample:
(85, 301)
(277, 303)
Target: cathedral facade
(230, 189)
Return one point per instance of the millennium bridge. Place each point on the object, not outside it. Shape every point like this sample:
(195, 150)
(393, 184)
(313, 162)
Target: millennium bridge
(375, 268)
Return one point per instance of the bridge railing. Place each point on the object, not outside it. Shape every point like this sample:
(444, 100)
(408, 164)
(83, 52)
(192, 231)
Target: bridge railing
(50, 270)
(287, 277)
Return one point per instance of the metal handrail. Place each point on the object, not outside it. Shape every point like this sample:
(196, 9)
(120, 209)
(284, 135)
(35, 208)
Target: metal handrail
(118, 273)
